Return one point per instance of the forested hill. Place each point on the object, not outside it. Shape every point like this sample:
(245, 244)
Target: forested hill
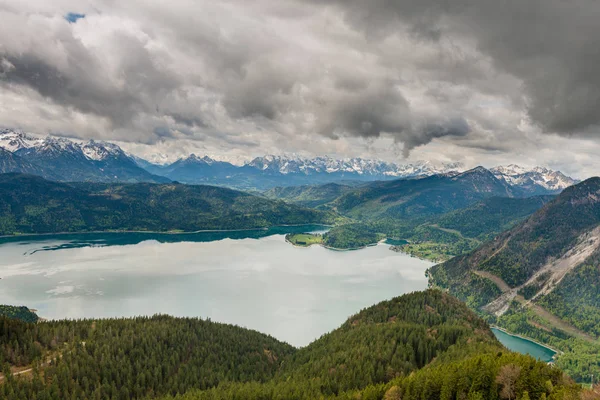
(421, 345)
(516, 255)
(409, 198)
(441, 216)
(541, 278)
(30, 204)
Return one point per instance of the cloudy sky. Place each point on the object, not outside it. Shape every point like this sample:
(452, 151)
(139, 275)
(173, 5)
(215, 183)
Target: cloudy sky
(477, 81)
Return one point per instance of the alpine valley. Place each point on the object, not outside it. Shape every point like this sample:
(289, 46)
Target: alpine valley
(507, 247)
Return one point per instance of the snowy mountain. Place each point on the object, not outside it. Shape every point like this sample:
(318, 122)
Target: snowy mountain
(282, 171)
(10, 162)
(538, 180)
(67, 160)
(351, 166)
(13, 140)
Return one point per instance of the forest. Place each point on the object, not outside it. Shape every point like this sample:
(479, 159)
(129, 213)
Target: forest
(30, 204)
(421, 345)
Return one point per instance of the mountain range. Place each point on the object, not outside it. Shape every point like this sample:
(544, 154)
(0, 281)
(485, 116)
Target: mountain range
(67, 160)
(264, 173)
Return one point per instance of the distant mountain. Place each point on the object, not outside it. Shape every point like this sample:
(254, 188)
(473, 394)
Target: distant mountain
(199, 170)
(534, 181)
(10, 162)
(409, 198)
(352, 166)
(31, 204)
(13, 140)
(267, 172)
(66, 160)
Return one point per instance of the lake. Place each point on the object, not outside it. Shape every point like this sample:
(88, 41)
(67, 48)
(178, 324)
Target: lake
(249, 278)
(524, 346)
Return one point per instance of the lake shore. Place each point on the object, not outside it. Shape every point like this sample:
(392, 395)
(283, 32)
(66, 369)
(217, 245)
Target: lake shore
(556, 352)
(172, 232)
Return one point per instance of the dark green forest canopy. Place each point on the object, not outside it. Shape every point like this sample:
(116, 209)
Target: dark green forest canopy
(21, 313)
(411, 342)
(30, 204)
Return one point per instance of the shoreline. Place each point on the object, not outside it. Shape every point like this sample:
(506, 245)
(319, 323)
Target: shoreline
(20, 235)
(556, 352)
(335, 248)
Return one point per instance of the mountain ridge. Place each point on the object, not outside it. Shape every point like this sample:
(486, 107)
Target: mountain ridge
(66, 160)
(69, 160)
(31, 204)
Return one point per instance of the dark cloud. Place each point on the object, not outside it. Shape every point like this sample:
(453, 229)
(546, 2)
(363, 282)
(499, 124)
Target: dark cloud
(553, 46)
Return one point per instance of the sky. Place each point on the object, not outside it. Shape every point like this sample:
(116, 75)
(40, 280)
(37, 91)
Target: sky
(483, 82)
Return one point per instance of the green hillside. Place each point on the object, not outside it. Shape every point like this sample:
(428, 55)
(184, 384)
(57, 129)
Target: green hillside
(441, 216)
(309, 195)
(446, 235)
(30, 204)
(541, 278)
(421, 345)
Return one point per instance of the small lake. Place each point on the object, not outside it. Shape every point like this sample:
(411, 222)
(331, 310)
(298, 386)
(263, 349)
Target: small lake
(524, 346)
(249, 278)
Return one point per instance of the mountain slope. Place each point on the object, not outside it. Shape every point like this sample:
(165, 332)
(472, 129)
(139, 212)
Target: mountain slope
(10, 162)
(540, 278)
(516, 255)
(441, 215)
(30, 204)
(309, 196)
(409, 198)
(490, 216)
(422, 344)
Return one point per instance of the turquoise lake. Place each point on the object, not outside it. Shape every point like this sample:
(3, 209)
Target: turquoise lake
(249, 278)
(524, 346)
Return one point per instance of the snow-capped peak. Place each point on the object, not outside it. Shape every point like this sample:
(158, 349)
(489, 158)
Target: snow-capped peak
(99, 151)
(13, 140)
(360, 166)
(554, 181)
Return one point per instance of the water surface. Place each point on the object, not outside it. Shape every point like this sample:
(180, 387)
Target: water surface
(295, 294)
(524, 346)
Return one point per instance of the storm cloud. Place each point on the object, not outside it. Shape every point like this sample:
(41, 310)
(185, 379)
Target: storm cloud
(304, 75)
